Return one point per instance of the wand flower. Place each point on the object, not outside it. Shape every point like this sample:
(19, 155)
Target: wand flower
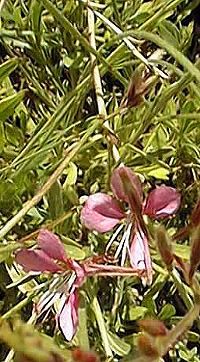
(50, 256)
(103, 212)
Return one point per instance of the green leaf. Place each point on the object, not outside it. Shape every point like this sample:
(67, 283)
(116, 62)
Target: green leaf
(71, 175)
(137, 312)
(160, 173)
(7, 68)
(35, 12)
(74, 252)
(167, 312)
(8, 104)
(169, 32)
(181, 250)
(2, 137)
(13, 135)
(6, 250)
(118, 345)
(55, 200)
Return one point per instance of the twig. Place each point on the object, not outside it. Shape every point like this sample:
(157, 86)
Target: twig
(97, 80)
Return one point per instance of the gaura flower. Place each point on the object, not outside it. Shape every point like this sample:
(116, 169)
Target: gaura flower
(68, 276)
(103, 212)
(50, 256)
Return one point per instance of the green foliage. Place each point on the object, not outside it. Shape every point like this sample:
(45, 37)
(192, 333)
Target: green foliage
(49, 114)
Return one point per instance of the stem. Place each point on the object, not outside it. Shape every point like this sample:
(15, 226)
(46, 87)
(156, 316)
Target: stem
(45, 188)
(97, 80)
(48, 225)
(16, 308)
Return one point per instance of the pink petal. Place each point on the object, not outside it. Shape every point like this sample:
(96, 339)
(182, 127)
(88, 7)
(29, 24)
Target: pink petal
(117, 186)
(162, 202)
(51, 245)
(68, 317)
(101, 213)
(36, 260)
(140, 255)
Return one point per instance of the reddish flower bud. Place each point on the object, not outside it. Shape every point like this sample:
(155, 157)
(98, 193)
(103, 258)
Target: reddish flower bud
(195, 252)
(153, 327)
(80, 355)
(117, 184)
(164, 246)
(133, 196)
(162, 202)
(146, 346)
(195, 217)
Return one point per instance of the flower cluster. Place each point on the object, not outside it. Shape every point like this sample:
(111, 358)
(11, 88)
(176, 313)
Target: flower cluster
(101, 213)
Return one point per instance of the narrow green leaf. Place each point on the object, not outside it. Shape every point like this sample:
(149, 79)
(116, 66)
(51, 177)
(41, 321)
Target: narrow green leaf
(118, 345)
(7, 67)
(55, 200)
(8, 104)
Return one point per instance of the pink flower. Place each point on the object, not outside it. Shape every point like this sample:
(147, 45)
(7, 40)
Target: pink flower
(50, 256)
(102, 213)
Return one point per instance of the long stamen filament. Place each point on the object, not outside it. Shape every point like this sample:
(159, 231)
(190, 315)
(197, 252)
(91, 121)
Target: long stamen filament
(112, 239)
(124, 240)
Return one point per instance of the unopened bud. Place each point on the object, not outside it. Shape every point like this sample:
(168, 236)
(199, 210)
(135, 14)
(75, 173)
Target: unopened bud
(195, 217)
(164, 246)
(153, 327)
(133, 197)
(195, 252)
(146, 346)
(80, 355)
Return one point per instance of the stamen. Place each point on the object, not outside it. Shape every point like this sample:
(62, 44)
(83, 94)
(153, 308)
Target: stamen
(124, 241)
(61, 286)
(113, 237)
(125, 248)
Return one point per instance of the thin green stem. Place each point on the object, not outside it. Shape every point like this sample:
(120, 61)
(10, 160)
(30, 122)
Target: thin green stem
(97, 79)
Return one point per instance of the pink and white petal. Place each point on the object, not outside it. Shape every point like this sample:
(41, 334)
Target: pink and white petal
(162, 202)
(101, 212)
(51, 245)
(139, 254)
(117, 186)
(36, 260)
(68, 316)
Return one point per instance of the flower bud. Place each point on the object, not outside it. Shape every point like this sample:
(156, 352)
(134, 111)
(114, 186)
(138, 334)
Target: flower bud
(164, 246)
(195, 252)
(117, 185)
(195, 217)
(80, 355)
(131, 191)
(146, 346)
(153, 327)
